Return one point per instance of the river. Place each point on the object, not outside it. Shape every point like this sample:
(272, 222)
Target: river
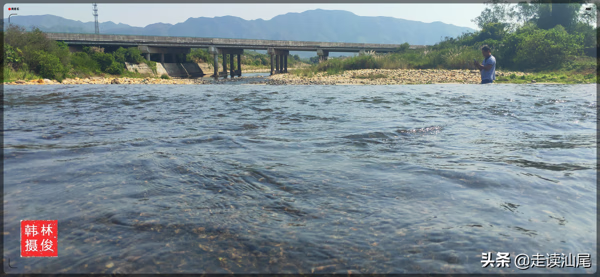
(300, 179)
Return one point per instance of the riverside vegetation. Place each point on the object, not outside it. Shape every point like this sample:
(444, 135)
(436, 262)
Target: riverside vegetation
(554, 47)
(529, 42)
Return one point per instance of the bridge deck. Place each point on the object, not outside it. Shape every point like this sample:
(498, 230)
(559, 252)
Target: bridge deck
(195, 42)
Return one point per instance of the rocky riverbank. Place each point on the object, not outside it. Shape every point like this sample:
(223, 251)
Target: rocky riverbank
(125, 81)
(351, 77)
(387, 77)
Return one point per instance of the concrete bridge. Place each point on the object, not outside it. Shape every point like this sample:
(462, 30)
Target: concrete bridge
(173, 46)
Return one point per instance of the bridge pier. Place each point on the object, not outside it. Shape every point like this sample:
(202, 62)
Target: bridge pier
(216, 65)
(278, 60)
(224, 65)
(162, 57)
(147, 56)
(323, 55)
(231, 70)
(239, 62)
(272, 69)
(232, 52)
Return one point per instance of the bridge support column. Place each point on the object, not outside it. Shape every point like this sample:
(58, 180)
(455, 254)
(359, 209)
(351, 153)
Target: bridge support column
(232, 69)
(272, 63)
(147, 56)
(239, 60)
(162, 57)
(323, 54)
(224, 65)
(278, 60)
(215, 52)
(216, 66)
(231, 52)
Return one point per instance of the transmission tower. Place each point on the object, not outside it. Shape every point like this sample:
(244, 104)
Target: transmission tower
(96, 18)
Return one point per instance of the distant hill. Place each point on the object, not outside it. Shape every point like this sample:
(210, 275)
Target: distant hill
(313, 25)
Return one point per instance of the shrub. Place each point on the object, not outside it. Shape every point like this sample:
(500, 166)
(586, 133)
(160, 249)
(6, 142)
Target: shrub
(105, 60)
(82, 62)
(403, 47)
(199, 56)
(493, 31)
(547, 48)
(134, 55)
(115, 68)
(49, 66)
(165, 76)
(13, 56)
(120, 55)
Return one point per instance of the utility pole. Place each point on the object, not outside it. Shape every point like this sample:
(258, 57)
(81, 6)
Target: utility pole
(96, 18)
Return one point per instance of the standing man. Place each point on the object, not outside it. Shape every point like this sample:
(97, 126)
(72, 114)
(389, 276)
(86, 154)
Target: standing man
(488, 68)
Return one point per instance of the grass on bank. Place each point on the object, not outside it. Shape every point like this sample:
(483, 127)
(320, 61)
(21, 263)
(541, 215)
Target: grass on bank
(11, 75)
(550, 77)
(580, 69)
(454, 58)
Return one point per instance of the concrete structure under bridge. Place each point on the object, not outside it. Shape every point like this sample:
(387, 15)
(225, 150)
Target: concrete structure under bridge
(172, 49)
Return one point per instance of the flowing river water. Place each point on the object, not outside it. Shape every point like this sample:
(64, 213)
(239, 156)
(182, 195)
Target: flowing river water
(300, 179)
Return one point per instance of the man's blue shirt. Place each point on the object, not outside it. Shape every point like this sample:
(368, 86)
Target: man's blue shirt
(489, 74)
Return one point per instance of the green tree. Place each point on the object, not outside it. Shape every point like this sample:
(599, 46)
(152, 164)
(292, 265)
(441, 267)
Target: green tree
(115, 68)
(551, 13)
(546, 48)
(120, 55)
(589, 34)
(264, 60)
(495, 31)
(403, 47)
(199, 56)
(82, 62)
(12, 56)
(497, 11)
(524, 12)
(30, 43)
(49, 66)
(105, 60)
(62, 52)
(134, 55)
(546, 14)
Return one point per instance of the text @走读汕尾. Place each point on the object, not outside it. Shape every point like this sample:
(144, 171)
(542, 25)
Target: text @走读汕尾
(548, 260)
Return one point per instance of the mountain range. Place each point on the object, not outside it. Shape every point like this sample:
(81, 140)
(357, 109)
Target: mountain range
(312, 25)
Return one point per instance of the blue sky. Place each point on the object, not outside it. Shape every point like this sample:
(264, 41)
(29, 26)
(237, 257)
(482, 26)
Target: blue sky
(143, 14)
